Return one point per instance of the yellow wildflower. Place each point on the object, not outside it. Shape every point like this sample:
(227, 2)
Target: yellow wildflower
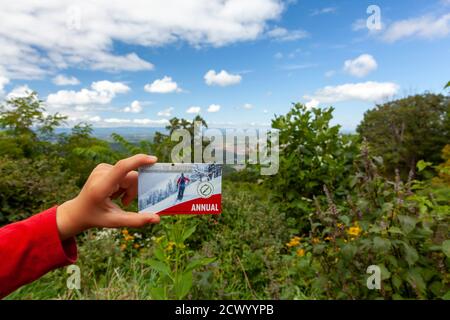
(315, 240)
(123, 247)
(300, 252)
(136, 245)
(293, 242)
(170, 246)
(124, 232)
(328, 238)
(354, 231)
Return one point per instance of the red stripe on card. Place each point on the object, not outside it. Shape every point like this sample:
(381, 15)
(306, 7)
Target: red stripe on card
(201, 206)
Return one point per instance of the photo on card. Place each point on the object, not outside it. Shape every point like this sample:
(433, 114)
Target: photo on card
(184, 188)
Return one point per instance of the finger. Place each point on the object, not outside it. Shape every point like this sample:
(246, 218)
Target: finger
(133, 220)
(118, 193)
(120, 170)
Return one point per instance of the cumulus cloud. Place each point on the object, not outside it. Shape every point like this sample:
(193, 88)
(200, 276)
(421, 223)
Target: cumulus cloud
(193, 109)
(101, 92)
(38, 37)
(425, 27)
(164, 85)
(313, 103)
(19, 92)
(283, 34)
(135, 107)
(62, 80)
(3, 82)
(247, 106)
(213, 108)
(166, 112)
(360, 66)
(365, 91)
(223, 78)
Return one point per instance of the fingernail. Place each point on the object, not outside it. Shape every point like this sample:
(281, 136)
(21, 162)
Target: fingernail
(153, 158)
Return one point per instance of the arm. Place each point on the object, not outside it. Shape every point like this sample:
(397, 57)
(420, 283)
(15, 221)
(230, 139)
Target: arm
(32, 247)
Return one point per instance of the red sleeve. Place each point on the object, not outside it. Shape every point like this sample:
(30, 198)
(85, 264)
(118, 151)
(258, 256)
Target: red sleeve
(31, 248)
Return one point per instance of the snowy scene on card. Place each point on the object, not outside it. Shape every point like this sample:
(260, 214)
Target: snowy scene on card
(168, 188)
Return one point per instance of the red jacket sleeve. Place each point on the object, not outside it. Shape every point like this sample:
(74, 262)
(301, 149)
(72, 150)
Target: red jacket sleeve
(31, 248)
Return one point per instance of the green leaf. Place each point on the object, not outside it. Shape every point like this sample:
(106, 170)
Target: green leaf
(158, 293)
(158, 266)
(187, 233)
(447, 85)
(199, 262)
(182, 285)
(446, 248)
(408, 223)
(380, 244)
(395, 230)
(159, 254)
(416, 281)
(446, 296)
(411, 255)
(421, 165)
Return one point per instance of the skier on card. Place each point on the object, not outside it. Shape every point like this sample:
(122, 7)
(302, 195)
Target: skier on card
(181, 185)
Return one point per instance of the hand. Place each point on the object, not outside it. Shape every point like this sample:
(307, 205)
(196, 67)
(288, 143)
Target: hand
(94, 207)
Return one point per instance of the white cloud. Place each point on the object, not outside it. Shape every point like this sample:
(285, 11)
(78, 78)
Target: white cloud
(223, 78)
(425, 27)
(117, 121)
(213, 108)
(283, 34)
(40, 37)
(365, 91)
(166, 112)
(313, 103)
(247, 106)
(360, 66)
(135, 107)
(3, 82)
(164, 85)
(193, 109)
(151, 122)
(62, 80)
(326, 10)
(101, 92)
(19, 92)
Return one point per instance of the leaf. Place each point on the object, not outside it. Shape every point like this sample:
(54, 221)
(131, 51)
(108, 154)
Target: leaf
(158, 266)
(416, 281)
(159, 254)
(421, 165)
(408, 223)
(187, 233)
(158, 293)
(380, 244)
(395, 230)
(199, 262)
(183, 284)
(411, 255)
(446, 296)
(447, 85)
(446, 248)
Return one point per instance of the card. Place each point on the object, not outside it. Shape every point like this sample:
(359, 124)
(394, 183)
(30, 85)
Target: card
(184, 188)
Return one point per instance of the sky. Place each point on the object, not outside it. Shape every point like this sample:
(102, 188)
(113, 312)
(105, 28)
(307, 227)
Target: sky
(236, 63)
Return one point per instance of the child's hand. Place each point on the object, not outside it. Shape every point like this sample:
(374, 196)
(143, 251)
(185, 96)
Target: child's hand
(93, 206)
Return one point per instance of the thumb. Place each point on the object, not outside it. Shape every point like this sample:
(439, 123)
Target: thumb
(134, 220)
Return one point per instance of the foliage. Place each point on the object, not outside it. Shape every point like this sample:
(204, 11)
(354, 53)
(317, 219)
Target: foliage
(385, 223)
(408, 130)
(312, 153)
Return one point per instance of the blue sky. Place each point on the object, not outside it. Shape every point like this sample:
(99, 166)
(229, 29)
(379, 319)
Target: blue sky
(138, 63)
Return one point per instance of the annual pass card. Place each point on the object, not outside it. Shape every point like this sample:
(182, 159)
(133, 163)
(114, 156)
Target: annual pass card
(184, 188)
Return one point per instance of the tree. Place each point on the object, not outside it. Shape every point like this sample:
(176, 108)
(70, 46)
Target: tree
(312, 154)
(407, 130)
